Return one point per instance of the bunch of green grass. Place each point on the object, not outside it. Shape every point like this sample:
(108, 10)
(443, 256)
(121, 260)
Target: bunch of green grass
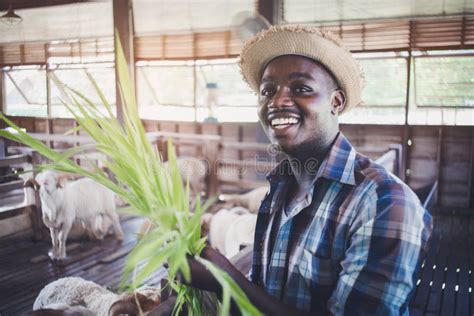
(151, 189)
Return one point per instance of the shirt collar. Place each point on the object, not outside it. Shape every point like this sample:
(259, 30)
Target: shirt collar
(338, 165)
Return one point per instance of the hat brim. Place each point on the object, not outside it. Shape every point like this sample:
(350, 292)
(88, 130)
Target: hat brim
(305, 41)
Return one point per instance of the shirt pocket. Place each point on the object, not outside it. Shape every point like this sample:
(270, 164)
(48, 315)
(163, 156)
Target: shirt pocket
(315, 270)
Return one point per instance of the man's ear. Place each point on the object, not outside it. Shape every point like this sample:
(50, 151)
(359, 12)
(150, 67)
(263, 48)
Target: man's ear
(338, 101)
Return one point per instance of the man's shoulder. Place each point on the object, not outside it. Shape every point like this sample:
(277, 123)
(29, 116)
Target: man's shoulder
(379, 182)
(389, 203)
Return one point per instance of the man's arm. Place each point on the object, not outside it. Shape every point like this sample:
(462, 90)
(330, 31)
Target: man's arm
(267, 304)
(386, 243)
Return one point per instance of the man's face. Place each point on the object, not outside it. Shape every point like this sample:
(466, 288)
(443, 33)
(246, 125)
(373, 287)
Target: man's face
(295, 104)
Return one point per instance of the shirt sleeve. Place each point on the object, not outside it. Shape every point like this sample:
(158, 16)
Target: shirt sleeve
(386, 242)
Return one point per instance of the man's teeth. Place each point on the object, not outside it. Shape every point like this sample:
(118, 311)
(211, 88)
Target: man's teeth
(283, 122)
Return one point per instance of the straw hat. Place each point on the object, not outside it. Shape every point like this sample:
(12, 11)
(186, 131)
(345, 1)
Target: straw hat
(305, 41)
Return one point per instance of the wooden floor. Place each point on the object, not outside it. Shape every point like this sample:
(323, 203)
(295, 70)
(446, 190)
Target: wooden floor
(25, 268)
(445, 280)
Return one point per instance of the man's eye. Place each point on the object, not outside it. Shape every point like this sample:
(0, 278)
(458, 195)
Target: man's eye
(266, 92)
(301, 89)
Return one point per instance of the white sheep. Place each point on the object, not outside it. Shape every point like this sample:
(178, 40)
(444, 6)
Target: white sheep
(250, 200)
(72, 293)
(228, 230)
(83, 203)
(60, 309)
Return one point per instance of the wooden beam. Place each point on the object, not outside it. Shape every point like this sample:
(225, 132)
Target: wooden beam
(12, 160)
(2, 95)
(123, 25)
(11, 185)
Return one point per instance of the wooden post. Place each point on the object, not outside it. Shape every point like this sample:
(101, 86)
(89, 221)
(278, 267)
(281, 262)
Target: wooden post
(123, 26)
(471, 174)
(195, 83)
(404, 174)
(406, 130)
(50, 130)
(212, 154)
(270, 10)
(198, 127)
(240, 153)
(37, 218)
(2, 95)
(3, 147)
(36, 211)
(176, 143)
(162, 148)
(439, 160)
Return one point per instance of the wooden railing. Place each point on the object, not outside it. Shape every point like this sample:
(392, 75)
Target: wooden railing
(391, 159)
(5, 163)
(210, 148)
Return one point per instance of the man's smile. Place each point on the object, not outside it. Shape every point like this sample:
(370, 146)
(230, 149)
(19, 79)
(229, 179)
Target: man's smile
(282, 120)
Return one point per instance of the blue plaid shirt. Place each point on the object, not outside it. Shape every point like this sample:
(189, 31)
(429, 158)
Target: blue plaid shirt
(351, 247)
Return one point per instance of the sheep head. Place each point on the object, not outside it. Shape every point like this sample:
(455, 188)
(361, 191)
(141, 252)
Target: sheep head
(50, 180)
(143, 299)
(47, 181)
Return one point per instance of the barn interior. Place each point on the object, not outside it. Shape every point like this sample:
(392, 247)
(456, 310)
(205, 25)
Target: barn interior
(416, 119)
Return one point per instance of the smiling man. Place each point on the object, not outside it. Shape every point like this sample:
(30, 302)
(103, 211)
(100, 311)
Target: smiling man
(337, 234)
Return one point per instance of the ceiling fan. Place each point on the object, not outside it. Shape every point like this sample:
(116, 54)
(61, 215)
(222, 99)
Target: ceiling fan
(246, 24)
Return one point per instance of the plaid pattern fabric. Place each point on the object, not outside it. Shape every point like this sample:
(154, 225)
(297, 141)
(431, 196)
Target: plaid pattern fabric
(351, 248)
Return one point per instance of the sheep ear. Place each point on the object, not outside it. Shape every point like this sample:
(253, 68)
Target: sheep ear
(205, 223)
(59, 184)
(62, 180)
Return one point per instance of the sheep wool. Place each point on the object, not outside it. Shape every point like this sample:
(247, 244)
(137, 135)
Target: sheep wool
(71, 290)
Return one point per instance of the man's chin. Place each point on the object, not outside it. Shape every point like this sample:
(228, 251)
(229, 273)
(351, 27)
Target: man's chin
(287, 147)
(298, 150)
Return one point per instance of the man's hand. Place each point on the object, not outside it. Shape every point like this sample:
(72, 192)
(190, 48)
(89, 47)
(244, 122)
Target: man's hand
(201, 278)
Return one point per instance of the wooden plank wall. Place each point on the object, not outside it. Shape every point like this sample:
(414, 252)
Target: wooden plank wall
(423, 156)
(456, 167)
(434, 152)
(373, 136)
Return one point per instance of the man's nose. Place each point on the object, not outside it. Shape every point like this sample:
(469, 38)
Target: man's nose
(282, 98)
